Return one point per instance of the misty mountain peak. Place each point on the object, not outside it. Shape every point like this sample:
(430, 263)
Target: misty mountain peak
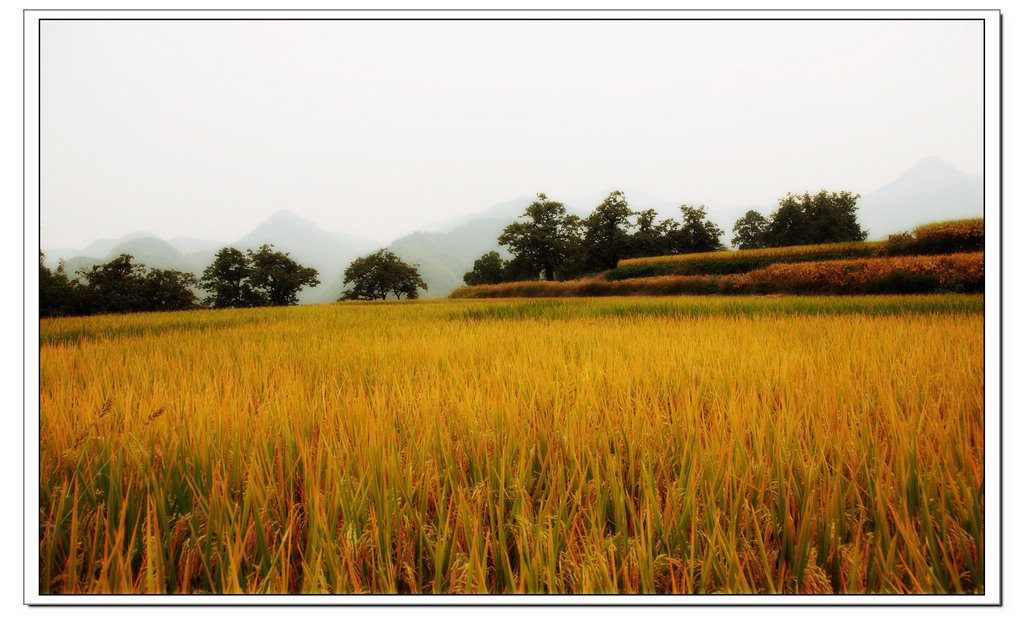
(933, 164)
(285, 216)
(136, 235)
(932, 190)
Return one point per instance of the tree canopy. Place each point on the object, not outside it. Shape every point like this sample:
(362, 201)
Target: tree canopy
(380, 273)
(802, 220)
(56, 291)
(256, 278)
(546, 240)
(488, 269)
(697, 233)
(276, 278)
(750, 230)
(227, 279)
(557, 245)
(605, 233)
(120, 286)
(234, 280)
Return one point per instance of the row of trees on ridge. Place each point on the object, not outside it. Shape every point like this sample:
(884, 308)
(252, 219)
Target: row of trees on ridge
(802, 220)
(554, 245)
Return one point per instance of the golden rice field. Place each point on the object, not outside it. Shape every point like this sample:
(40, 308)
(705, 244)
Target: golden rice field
(620, 445)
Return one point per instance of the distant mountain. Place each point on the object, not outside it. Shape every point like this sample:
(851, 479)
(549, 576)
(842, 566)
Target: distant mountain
(505, 210)
(932, 190)
(310, 245)
(290, 232)
(187, 244)
(148, 250)
(306, 242)
(444, 257)
(101, 248)
(155, 253)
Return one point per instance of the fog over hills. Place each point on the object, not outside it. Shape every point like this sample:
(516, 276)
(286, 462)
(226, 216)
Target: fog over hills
(307, 243)
(444, 257)
(310, 245)
(930, 191)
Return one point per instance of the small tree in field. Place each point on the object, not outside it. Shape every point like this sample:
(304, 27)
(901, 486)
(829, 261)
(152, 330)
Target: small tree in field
(380, 273)
(227, 278)
(256, 278)
(279, 278)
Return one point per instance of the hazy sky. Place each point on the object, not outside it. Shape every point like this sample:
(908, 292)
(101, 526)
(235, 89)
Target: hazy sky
(206, 128)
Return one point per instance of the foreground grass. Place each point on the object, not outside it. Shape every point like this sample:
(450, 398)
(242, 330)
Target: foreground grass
(746, 445)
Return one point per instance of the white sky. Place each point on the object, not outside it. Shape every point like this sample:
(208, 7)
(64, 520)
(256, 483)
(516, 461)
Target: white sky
(205, 128)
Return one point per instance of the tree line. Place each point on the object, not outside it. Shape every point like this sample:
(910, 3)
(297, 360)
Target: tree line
(802, 220)
(119, 286)
(234, 279)
(263, 277)
(551, 244)
(548, 244)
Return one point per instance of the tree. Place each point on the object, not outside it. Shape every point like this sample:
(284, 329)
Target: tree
(487, 269)
(696, 234)
(788, 225)
(833, 217)
(544, 242)
(750, 230)
(56, 291)
(256, 278)
(649, 238)
(605, 236)
(121, 286)
(116, 287)
(380, 273)
(277, 278)
(166, 289)
(519, 269)
(227, 278)
(806, 220)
